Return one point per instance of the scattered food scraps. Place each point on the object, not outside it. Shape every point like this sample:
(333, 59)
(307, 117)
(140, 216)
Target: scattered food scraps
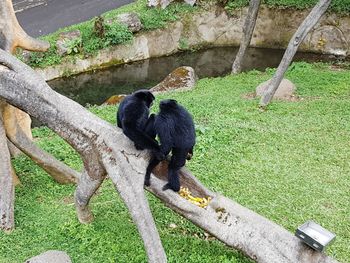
(198, 201)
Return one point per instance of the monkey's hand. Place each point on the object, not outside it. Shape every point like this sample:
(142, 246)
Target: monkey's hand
(138, 147)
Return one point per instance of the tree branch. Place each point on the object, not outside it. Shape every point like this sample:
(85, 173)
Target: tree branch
(247, 33)
(305, 27)
(101, 145)
(7, 193)
(59, 171)
(236, 226)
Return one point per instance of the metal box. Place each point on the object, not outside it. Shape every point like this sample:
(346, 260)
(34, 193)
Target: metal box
(314, 235)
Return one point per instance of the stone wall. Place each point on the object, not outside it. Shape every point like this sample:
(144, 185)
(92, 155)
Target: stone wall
(215, 27)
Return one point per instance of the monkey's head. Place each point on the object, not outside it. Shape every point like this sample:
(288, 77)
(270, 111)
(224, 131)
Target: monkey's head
(169, 104)
(146, 96)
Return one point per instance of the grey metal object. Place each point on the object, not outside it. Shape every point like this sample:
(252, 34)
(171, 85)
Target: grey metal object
(315, 235)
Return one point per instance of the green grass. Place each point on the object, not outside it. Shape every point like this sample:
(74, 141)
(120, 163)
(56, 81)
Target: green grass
(339, 6)
(289, 164)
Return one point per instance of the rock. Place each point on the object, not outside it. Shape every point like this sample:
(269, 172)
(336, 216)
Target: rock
(284, 91)
(159, 3)
(26, 55)
(172, 225)
(182, 78)
(165, 3)
(50, 256)
(329, 39)
(131, 20)
(190, 2)
(68, 42)
(115, 99)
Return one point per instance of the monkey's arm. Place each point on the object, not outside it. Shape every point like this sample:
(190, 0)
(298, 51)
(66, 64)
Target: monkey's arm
(139, 137)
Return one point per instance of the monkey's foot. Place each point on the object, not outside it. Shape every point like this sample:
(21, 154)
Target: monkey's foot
(172, 187)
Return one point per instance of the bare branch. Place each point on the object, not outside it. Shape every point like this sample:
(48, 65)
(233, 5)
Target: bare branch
(100, 145)
(59, 171)
(247, 33)
(305, 27)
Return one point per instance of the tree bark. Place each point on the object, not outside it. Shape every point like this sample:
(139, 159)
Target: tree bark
(105, 150)
(60, 172)
(247, 34)
(309, 22)
(6, 182)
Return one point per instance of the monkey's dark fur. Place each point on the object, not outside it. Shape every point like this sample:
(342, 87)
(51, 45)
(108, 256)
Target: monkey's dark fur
(175, 129)
(132, 117)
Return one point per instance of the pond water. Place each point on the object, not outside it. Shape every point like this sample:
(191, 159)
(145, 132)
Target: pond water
(96, 87)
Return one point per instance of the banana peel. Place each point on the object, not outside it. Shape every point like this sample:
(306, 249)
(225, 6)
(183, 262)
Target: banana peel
(198, 201)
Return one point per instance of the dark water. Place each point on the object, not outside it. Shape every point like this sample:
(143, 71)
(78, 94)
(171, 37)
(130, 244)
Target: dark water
(97, 86)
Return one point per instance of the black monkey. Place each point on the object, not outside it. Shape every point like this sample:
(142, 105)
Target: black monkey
(175, 129)
(132, 117)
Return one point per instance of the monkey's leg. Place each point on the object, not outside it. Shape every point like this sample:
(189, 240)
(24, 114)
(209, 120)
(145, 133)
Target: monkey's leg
(153, 163)
(178, 160)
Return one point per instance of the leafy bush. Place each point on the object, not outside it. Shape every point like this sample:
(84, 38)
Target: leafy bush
(73, 46)
(116, 34)
(153, 18)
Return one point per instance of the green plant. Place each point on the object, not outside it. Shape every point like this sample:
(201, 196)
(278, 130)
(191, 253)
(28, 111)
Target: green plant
(116, 33)
(73, 46)
(183, 44)
(153, 18)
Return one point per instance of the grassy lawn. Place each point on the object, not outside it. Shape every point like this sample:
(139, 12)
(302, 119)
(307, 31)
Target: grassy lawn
(289, 164)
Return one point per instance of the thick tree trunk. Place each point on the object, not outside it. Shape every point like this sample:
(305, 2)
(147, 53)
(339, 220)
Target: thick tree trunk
(15, 122)
(247, 34)
(105, 150)
(12, 36)
(6, 182)
(309, 22)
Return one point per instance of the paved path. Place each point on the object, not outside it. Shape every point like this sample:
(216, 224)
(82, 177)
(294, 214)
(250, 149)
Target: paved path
(40, 17)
